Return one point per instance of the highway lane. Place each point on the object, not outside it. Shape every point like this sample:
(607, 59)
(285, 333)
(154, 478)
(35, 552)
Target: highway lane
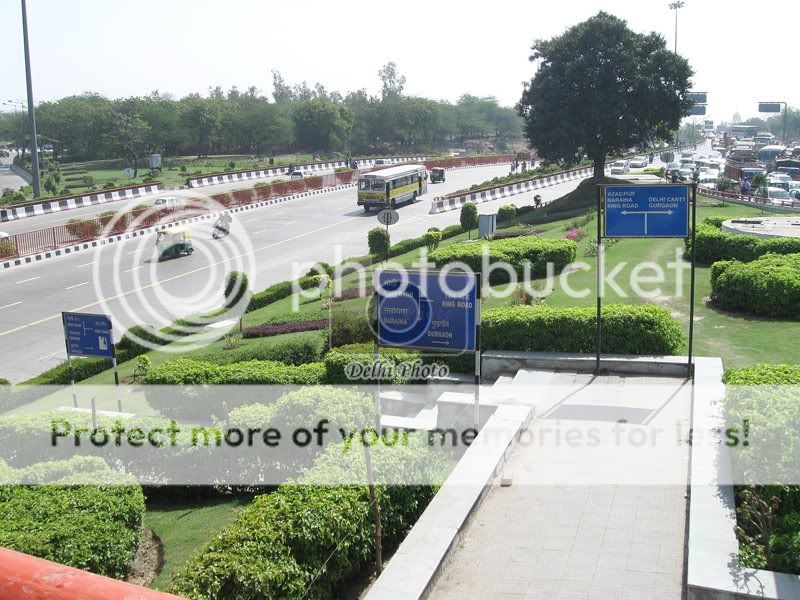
(125, 281)
(9, 179)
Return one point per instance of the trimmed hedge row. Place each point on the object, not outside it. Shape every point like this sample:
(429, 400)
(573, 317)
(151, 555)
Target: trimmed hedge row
(714, 245)
(627, 329)
(308, 539)
(768, 286)
(297, 350)
(95, 528)
(281, 290)
(516, 252)
(270, 329)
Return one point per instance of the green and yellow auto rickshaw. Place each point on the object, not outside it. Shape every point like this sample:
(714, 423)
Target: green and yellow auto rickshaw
(173, 242)
(437, 175)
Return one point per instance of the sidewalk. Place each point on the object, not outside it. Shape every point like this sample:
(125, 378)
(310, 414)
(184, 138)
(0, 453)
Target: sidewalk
(599, 519)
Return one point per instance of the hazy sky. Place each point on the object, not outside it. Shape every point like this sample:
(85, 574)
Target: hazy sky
(444, 48)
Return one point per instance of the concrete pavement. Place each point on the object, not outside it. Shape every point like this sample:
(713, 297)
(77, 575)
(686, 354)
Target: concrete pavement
(9, 179)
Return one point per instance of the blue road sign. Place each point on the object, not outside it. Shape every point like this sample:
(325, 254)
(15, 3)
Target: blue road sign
(88, 335)
(641, 211)
(427, 310)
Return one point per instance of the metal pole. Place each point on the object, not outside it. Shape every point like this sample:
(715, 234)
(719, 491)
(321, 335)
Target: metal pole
(785, 118)
(689, 365)
(477, 415)
(599, 330)
(376, 509)
(94, 414)
(676, 29)
(31, 114)
(72, 381)
(376, 359)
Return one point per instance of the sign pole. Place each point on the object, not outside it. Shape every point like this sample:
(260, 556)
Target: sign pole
(599, 327)
(689, 366)
(477, 416)
(72, 381)
(376, 347)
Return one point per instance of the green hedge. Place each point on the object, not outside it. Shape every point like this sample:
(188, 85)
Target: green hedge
(296, 350)
(95, 528)
(198, 399)
(714, 245)
(627, 329)
(768, 286)
(515, 251)
(307, 540)
(281, 290)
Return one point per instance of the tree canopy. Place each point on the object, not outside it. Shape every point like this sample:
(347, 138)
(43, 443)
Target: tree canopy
(298, 117)
(600, 89)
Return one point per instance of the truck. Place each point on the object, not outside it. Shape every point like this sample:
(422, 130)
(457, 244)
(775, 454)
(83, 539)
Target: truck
(743, 163)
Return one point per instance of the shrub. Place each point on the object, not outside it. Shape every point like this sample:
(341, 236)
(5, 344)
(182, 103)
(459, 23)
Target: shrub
(714, 245)
(432, 239)
(307, 539)
(296, 350)
(349, 327)
(516, 252)
(7, 249)
(109, 185)
(82, 368)
(270, 329)
(768, 286)
(469, 217)
(627, 329)
(235, 288)
(281, 290)
(378, 241)
(95, 528)
(88, 181)
(83, 230)
(506, 213)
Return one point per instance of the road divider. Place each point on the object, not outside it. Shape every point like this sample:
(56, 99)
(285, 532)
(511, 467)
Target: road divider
(44, 207)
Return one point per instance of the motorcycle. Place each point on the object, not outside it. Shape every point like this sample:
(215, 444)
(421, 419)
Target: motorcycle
(220, 229)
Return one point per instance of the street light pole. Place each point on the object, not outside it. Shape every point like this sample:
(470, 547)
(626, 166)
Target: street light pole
(676, 6)
(31, 112)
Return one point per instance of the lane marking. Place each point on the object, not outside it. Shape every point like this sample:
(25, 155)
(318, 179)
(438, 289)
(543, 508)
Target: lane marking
(85, 265)
(132, 252)
(259, 231)
(27, 280)
(173, 278)
(77, 285)
(134, 269)
(10, 305)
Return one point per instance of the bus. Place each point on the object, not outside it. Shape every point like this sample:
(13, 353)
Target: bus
(769, 154)
(743, 132)
(388, 188)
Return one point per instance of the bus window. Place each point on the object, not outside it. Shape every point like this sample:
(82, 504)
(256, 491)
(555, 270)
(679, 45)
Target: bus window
(363, 184)
(377, 185)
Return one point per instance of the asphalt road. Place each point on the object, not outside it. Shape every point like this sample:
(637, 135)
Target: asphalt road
(9, 179)
(125, 281)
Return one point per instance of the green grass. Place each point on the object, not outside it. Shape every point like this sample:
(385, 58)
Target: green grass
(185, 527)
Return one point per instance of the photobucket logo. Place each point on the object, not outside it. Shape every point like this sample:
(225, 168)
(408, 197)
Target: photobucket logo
(384, 370)
(168, 269)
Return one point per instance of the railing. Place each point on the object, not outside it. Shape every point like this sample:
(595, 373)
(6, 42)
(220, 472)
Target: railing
(748, 198)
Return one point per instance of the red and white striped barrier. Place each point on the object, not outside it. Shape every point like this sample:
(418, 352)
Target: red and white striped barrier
(44, 207)
(235, 176)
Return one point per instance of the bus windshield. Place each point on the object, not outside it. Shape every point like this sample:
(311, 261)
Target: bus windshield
(377, 185)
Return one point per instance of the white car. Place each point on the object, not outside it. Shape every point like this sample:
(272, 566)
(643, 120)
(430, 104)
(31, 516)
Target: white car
(779, 176)
(620, 167)
(779, 196)
(640, 162)
(686, 174)
(3, 235)
(711, 174)
(169, 202)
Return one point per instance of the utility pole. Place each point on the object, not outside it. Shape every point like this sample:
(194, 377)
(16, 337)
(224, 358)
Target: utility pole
(676, 6)
(31, 112)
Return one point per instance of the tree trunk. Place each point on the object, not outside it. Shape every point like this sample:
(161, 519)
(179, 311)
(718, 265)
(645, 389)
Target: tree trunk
(599, 168)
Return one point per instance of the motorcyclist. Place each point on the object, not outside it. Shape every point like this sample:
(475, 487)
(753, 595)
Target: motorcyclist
(223, 223)
(537, 201)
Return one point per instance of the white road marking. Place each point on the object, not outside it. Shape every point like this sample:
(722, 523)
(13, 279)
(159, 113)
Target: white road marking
(133, 269)
(76, 285)
(85, 264)
(259, 231)
(132, 252)
(184, 274)
(10, 305)
(27, 280)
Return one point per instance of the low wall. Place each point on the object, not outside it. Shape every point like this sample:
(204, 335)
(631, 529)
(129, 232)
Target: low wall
(234, 176)
(22, 173)
(43, 207)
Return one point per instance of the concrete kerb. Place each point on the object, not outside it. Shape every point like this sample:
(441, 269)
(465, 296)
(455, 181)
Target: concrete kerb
(50, 254)
(713, 570)
(414, 568)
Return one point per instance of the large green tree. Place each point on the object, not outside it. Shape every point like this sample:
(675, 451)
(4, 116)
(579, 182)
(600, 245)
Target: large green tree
(600, 89)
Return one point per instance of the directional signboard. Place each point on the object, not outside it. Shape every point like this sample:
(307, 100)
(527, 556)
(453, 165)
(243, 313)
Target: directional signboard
(769, 107)
(696, 110)
(429, 310)
(698, 97)
(88, 335)
(641, 211)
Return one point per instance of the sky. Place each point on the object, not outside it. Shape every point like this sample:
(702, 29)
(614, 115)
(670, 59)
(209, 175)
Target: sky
(444, 48)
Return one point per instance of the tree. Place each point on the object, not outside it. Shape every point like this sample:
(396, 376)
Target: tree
(320, 124)
(281, 91)
(469, 217)
(199, 118)
(392, 83)
(600, 89)
(128, 138)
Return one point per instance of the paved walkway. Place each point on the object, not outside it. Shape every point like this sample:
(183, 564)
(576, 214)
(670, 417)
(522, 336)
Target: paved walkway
(599, 517)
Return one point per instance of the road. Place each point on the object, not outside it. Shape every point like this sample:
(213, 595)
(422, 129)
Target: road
(9, 179)
(126, 282)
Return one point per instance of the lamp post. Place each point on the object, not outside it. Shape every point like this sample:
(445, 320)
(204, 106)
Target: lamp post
(31, 112)
(676, 6)
(769, 107)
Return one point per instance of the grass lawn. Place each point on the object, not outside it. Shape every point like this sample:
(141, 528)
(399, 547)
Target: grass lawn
(185, 527)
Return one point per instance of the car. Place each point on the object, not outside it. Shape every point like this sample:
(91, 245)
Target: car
(173, 202)
(686, 174)
(779, 176)
(296, 175)
(690, 165)
(620, 167)
(3, 235)
(702, 169)
(779, 196)
(640, 162)
(712, 173)
(709, 183)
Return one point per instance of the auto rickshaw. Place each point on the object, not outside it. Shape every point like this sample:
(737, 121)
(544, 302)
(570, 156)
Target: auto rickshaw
(173, 242)
(437, 175)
